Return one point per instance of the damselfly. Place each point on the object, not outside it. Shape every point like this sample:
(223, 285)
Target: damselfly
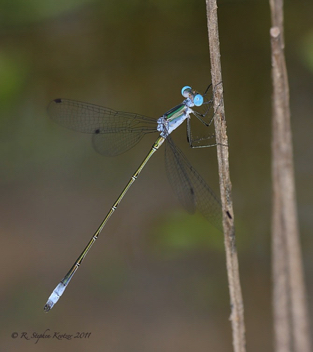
(114, 132)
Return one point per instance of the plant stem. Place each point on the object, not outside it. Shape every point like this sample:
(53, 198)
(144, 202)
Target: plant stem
(291, 322)
(236, 301)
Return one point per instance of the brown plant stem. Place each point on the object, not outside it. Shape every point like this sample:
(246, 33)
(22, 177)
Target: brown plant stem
(291, 322)
(236, 301)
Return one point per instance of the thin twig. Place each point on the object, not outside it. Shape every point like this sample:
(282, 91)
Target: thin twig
(288, 277)
(236, 302)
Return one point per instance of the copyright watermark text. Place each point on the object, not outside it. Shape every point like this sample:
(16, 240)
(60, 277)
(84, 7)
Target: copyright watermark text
(48, 334)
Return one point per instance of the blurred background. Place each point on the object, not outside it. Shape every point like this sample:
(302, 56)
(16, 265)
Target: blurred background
(156, 279)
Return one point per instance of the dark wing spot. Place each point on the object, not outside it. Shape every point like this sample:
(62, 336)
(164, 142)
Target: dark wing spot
(58, 101)
(97, 131)
(192, 191)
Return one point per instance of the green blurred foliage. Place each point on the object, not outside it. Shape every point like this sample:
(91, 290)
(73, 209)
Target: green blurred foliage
(306, 50)
(179, 233)
(21, 13)
(24, 12)
(13, 74)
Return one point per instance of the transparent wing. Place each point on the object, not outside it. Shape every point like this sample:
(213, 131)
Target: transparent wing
(178, 176)
(192, 191)
(114, 132)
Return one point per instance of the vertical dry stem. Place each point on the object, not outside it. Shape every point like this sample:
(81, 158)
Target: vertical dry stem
(237, 317)
(289, 298)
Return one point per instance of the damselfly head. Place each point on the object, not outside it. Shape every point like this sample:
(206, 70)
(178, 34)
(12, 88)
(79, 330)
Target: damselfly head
(195, 97)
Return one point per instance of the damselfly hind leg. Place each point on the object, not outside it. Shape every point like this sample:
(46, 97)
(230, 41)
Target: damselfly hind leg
(199, 142)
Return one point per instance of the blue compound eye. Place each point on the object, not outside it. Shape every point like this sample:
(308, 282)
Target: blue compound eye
(183, 93)
(198, 100)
